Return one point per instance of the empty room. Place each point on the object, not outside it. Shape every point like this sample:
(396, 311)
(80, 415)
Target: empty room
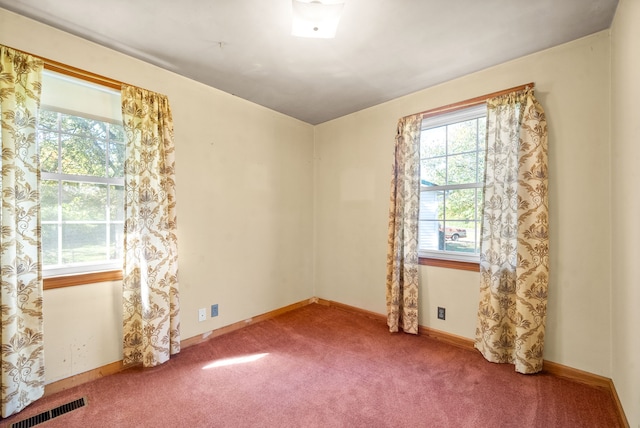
(305, 213)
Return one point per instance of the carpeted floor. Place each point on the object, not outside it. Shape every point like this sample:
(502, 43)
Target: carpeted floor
(323, 367)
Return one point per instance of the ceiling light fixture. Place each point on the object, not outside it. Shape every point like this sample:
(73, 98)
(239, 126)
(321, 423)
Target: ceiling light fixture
(313, 18)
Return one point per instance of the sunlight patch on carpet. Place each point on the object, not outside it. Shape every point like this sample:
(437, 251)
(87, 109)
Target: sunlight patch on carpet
(235, 360)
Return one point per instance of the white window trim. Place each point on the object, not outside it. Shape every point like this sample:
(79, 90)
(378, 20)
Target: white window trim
(435, 121)
(80, 268)
(52, 271)
(454, 116)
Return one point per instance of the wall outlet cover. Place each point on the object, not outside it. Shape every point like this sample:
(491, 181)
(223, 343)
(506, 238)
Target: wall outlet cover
(214, 310)
(202, 314)
(441, 313)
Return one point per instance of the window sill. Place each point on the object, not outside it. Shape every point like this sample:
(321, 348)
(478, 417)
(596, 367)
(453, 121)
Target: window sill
(81, 279)
(451, 264)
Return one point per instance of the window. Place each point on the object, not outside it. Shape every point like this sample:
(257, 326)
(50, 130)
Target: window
(452, 147)
(81, 147)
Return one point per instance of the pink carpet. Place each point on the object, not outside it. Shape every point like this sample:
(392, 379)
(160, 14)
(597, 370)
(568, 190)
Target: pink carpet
(323, 367)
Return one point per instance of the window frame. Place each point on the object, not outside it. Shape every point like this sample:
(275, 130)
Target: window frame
(60, 177)
(71, 280)
(465, 114)
(449, 108)
(61, 281)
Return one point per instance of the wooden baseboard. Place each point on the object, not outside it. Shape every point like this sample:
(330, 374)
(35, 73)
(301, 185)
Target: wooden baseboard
(352, 309)
(552, 368)
(622, 417)
(549, 367)
(118, 366)
(451, 339)
(590, 379)
(81, 378)
(580, 376)
(241, 324)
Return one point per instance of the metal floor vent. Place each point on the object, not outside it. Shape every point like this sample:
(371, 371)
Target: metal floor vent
(50, 414)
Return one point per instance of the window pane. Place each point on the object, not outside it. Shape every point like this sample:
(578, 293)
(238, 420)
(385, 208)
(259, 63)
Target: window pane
(481, 160)
(478, 230)
(433, 171)
(83, 156)
(459, 236)
(116, 159)
(431, 205)
(83, 201)
(116, 133)
(462, 136)
(452, 158)
(82, 221)
(83, 243)
(116, 241)
(431, 215)
(430, 235)
(462, 168)
(461, 204)
(48, 147)
(433, 142)
(83, 126)
(116, 203)
(48, 120)
(477, 235)
(49, 244)
(49, 200)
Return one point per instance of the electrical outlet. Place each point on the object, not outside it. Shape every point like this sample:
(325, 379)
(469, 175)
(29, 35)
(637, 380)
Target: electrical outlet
(202, 314)
(441, 313)
(214, 310)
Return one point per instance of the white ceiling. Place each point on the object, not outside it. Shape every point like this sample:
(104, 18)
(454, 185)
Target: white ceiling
(383, 48)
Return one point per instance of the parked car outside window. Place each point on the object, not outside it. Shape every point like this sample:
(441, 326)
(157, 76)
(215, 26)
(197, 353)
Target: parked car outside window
(454, 233)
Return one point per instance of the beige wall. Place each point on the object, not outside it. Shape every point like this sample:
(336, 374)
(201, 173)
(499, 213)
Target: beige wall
(82, 328)
(353, 156)
(245, 207)
(625, 162)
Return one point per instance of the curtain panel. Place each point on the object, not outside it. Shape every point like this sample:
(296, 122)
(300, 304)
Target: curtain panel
(150, 270)
(514, 252)
(22, 359)
(402, 253)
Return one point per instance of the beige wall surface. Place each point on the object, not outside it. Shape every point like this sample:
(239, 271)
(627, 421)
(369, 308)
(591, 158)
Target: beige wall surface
(244, 179)
(82, 328)
(625, 167)
(353, 157)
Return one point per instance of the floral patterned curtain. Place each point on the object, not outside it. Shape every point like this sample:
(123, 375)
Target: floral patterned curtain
(22, 368)
(514, 254)
(150, 277)
(402, 254)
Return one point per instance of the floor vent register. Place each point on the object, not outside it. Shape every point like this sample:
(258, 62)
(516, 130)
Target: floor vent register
(50, 414)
